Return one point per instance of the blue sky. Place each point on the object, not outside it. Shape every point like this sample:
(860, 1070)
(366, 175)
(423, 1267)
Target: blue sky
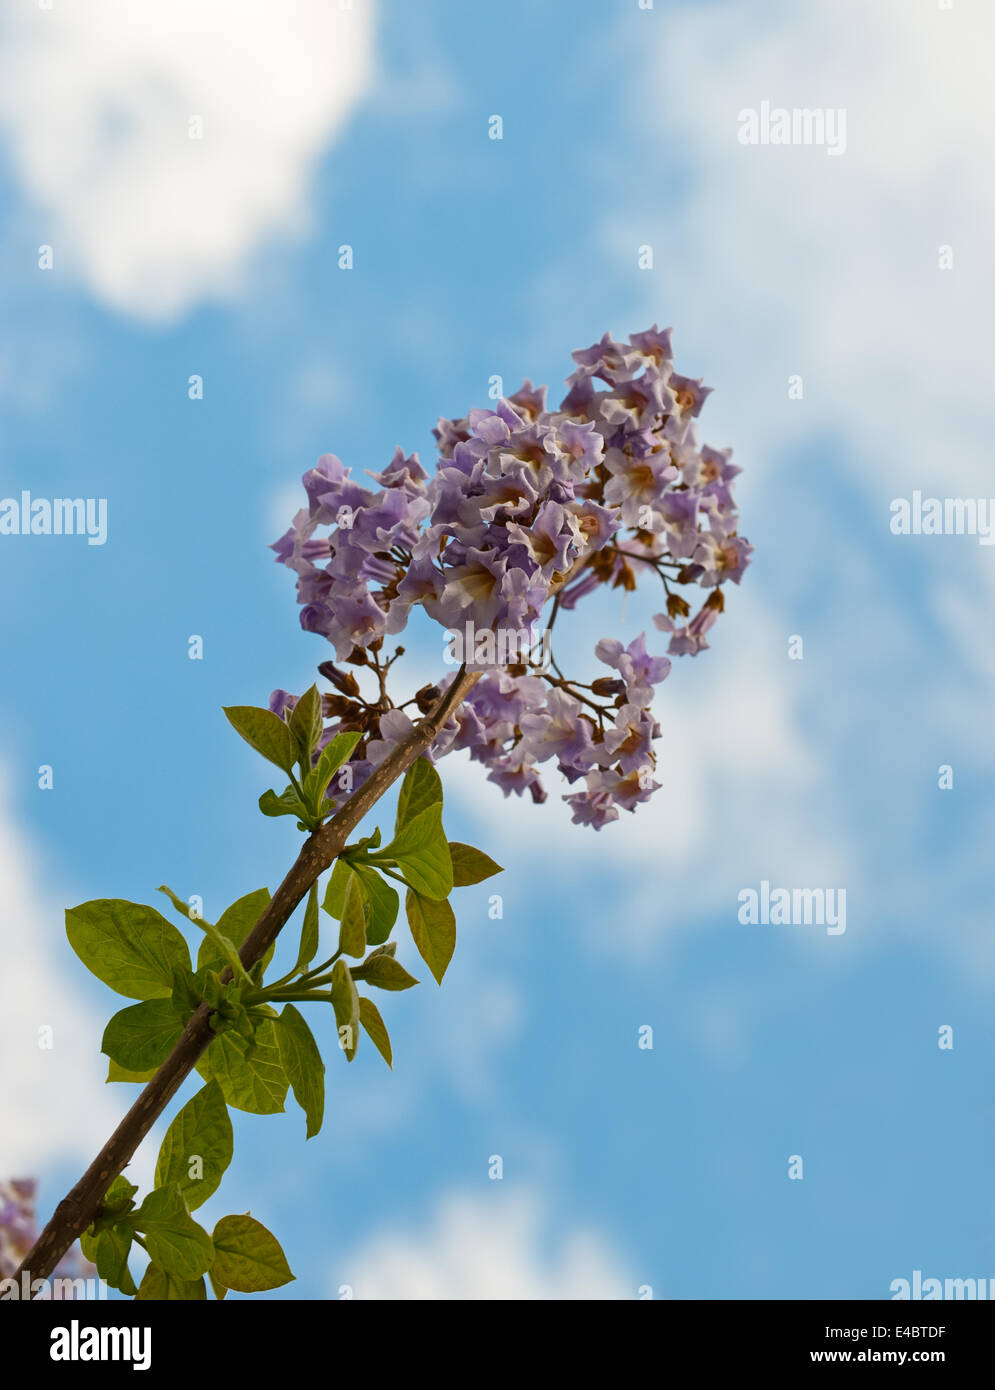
(623, 1167)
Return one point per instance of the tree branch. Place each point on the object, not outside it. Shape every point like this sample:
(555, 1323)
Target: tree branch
(82, 1204)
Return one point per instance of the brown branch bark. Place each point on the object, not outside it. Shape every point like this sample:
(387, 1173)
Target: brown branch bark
(82, 1204)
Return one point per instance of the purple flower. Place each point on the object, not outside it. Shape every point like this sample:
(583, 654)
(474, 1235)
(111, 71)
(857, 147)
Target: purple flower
(559, 731)
(689, 640)
(528, 503)
(637, 483)
(640, 671)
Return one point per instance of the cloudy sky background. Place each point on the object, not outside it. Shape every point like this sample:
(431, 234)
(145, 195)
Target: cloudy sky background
(623, 1168)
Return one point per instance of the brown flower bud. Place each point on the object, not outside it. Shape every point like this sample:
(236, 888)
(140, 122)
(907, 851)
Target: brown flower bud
(716, 600)
(342, 680)
(336, 706)
(427, 697)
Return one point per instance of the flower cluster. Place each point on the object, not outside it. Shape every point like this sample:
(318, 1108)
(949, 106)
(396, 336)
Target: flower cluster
(528, 511)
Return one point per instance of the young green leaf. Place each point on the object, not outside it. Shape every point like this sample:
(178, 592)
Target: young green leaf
(303, 1065)
(197, 1148)
(266, 732)
(187, 993)
(118, 1198)
(118, 1073)
(108, 1250)
(288, 803)
(129, 946)
(369, 1017)
(345, 1002)
(181, 907)
(383, 904)
(338, 882)
(175, 1242)
(352, 933)
(306, 725)
(421, 788)
(235, 923)
(471, 865)
(141, 1037)
(309, 932)
(433, 928)
(251, 1075)
(247, 1257)
(161, 1287)
(422, 852)
(331, 758)
(384, 972)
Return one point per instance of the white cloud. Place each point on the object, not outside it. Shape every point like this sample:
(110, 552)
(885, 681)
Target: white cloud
(490, 1248)
(783, 260)
(55, 1104)
(96, 100)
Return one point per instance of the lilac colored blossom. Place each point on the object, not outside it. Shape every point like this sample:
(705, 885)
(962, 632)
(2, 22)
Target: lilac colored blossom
(529, 509)
(688, 640)
(638, 669)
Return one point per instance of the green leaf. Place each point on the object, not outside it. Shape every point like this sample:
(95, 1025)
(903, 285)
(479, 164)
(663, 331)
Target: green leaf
(266, 732)
(433, 928)
(142, 1036)
(199, 1138)
(331, 758)
(303, 1065)
(109, 1250)
(384, 972)
(471, 865)
(309, 932)
(369, 1017)
(129, 946)
(175, 1242)
(248, 1258)
(352, 934)
(422, 852)
(345, 1002)
(334, 899)
(118, 1073)
(220, 1291)
(181, 907)
(118, 1198)
(158, 1285)
(288, 803)
(306, 724)
(235, 923)
(383, 904)
(251, 1075)
(188, 991)
(421, 788)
